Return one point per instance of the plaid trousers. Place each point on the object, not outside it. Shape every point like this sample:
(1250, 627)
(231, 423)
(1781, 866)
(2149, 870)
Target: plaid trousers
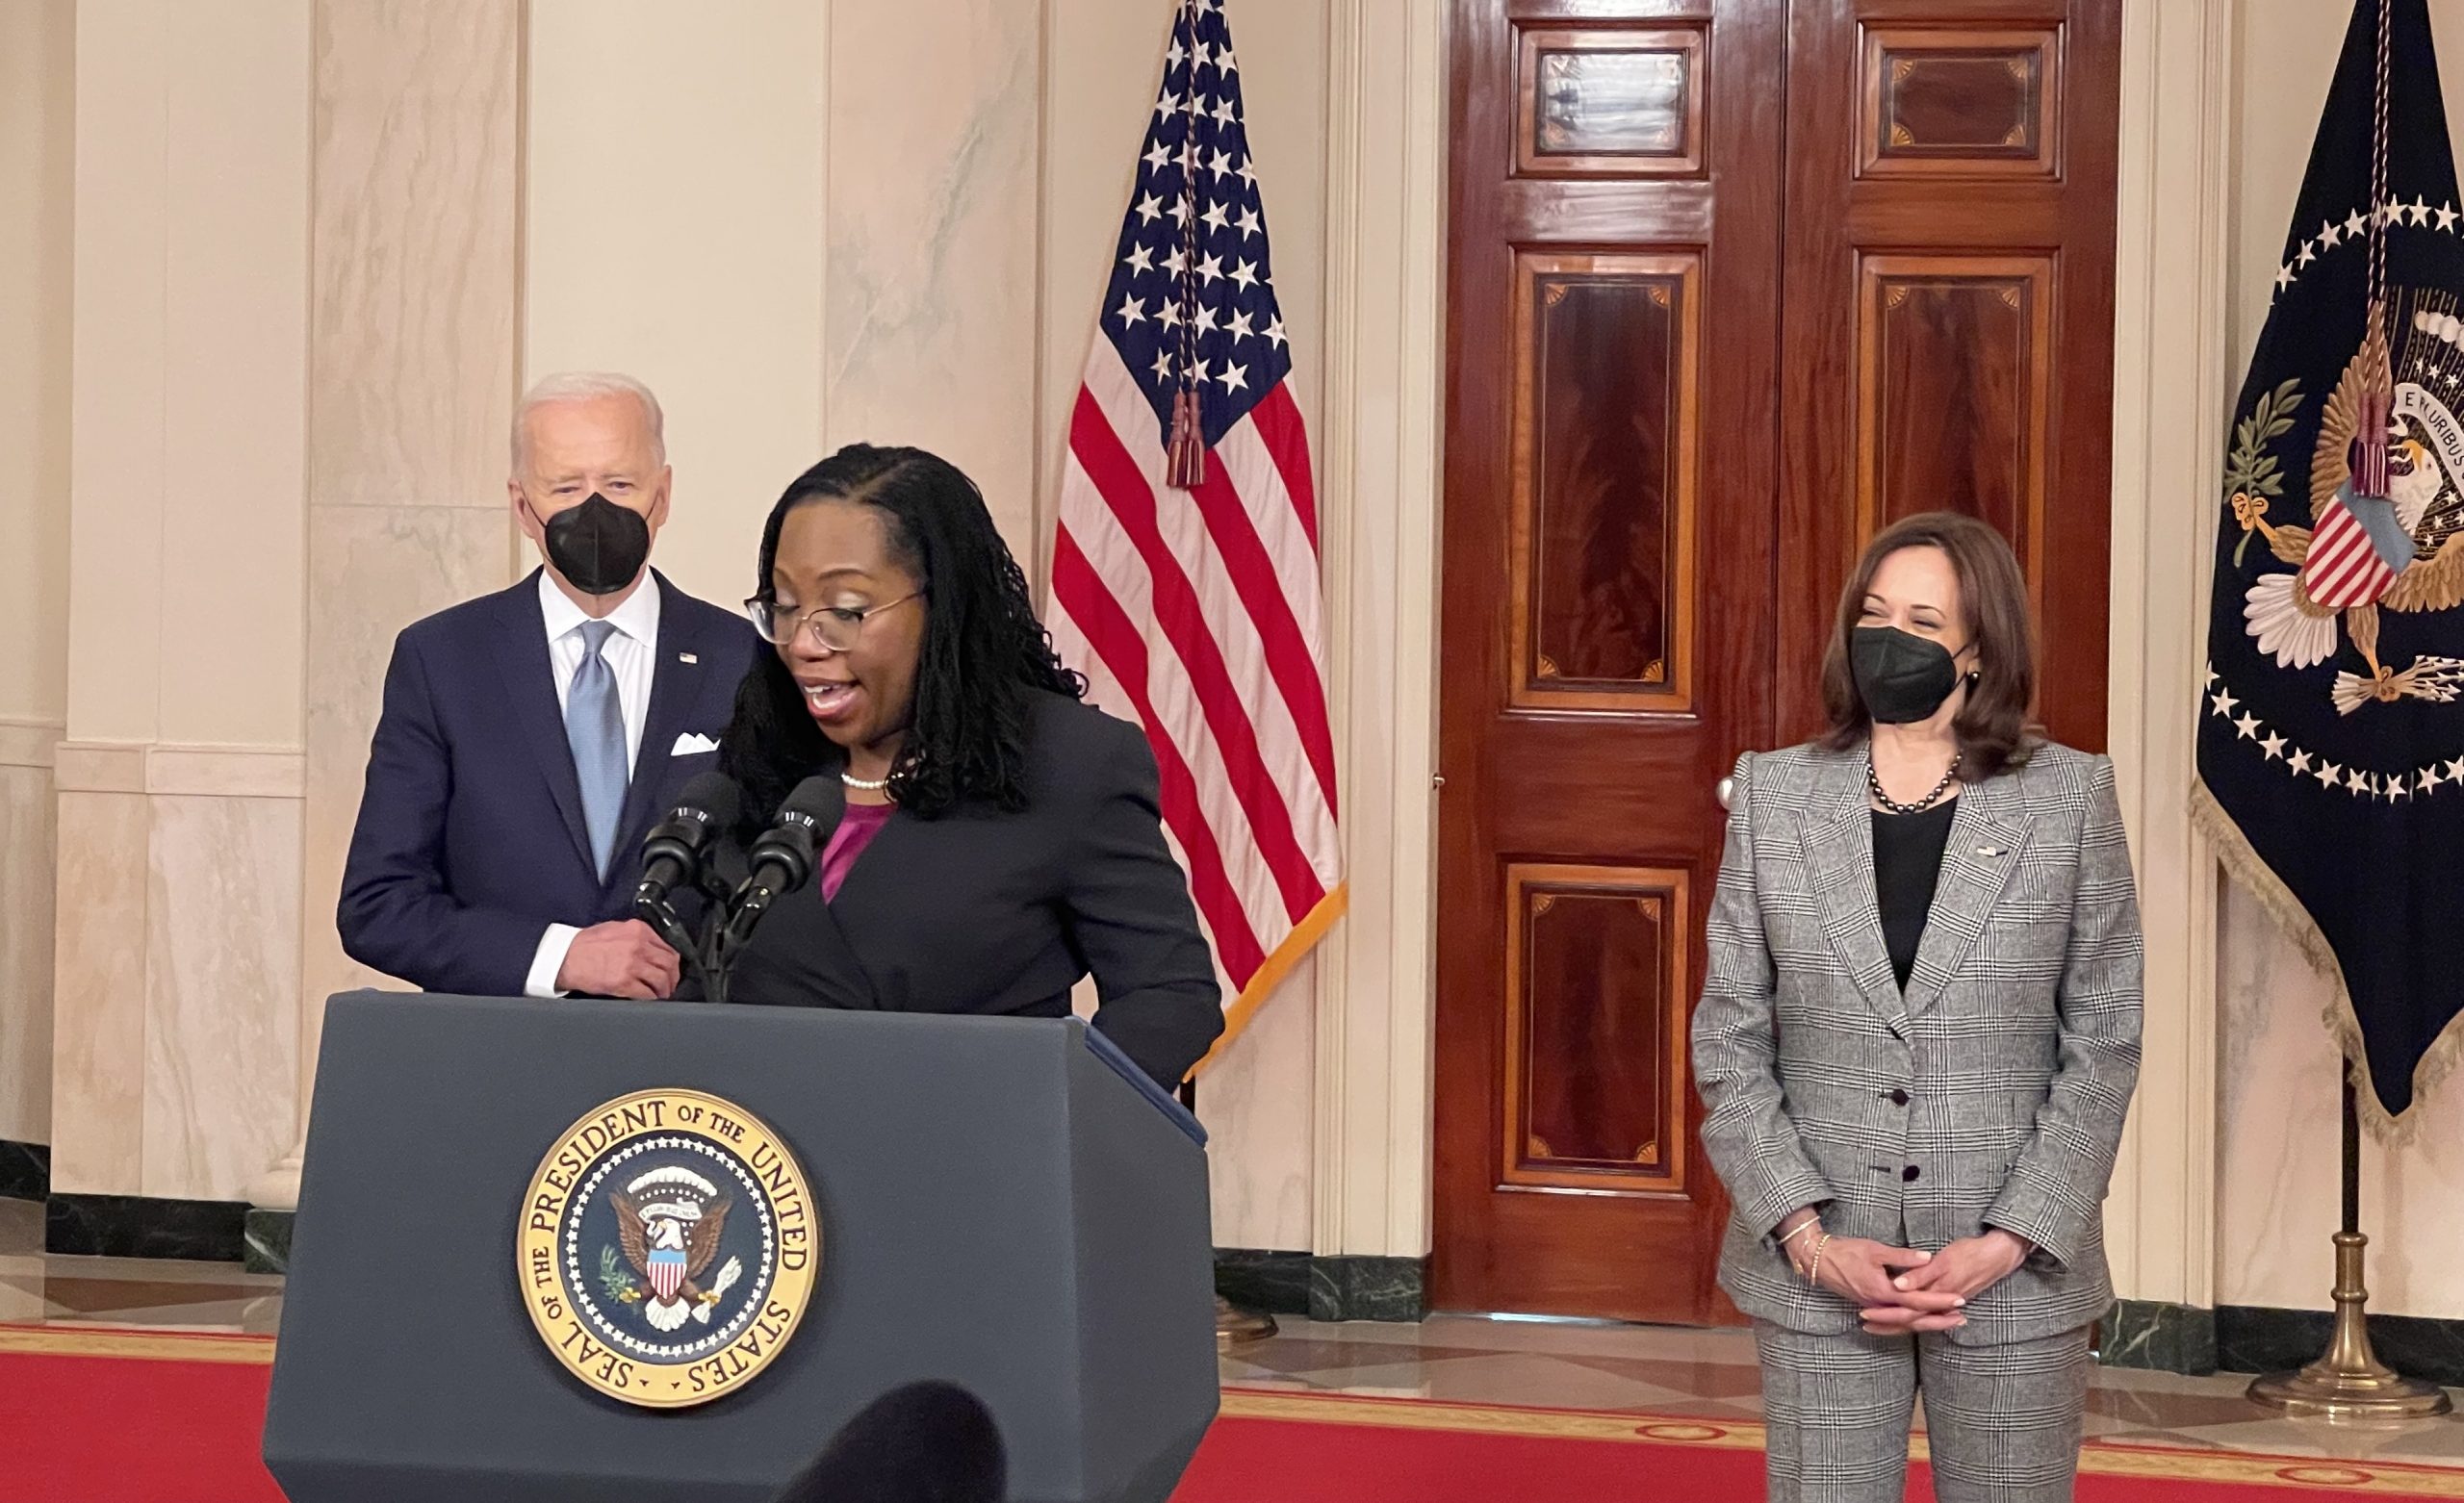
(2003, 1422)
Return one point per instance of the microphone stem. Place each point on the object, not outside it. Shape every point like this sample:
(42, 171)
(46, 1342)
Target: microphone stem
(662, 918)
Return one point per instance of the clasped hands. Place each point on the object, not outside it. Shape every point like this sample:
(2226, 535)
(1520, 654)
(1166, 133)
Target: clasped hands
(1900, 1290)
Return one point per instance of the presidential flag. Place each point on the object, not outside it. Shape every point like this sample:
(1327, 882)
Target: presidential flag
(1185, 569)
(2331, 733)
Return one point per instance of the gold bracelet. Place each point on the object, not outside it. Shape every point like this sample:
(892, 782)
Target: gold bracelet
(1810, 1223)
(1813, 1275)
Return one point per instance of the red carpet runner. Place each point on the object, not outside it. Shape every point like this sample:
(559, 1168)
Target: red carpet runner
(158, 1418)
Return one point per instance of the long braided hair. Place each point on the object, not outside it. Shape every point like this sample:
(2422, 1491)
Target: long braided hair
(982, 655)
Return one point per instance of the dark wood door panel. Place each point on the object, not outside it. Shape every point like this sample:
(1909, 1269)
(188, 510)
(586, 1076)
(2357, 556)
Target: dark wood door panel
(1630, 11)
(1537, 212)
(1675, 412)
(1608, 611)
(1948, 340)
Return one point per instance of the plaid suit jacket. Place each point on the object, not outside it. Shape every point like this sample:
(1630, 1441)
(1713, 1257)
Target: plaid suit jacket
(1991, 1094)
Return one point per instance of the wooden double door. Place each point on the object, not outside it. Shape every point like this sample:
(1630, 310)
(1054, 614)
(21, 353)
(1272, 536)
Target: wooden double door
(1732, 284)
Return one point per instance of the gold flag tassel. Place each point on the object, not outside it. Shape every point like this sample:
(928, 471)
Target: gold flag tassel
(1184, 454)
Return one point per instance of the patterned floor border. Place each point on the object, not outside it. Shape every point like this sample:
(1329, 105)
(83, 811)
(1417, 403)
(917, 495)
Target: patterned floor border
(2295, 1473)
(184, 1346)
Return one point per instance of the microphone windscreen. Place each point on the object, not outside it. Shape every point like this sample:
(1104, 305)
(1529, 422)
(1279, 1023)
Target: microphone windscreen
(715, 795)
(816, 798)
(927, 1443)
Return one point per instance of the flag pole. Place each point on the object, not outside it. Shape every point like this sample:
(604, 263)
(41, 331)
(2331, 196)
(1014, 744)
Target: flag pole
(1234, 1326)
(2350, 1384)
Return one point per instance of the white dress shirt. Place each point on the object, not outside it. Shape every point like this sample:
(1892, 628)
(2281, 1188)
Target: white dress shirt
(632, 655)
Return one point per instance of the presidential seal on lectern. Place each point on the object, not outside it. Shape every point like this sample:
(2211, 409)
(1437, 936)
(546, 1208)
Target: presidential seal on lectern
(668, 1248)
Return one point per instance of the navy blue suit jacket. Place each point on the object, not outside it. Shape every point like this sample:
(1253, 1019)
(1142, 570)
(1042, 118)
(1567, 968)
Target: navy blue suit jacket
(470, 840)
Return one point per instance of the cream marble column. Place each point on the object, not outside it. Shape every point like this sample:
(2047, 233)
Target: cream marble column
(414, 282)
(928, 311)
(27, 875)
(1379, 483)
(37, 180)
(2170, 393)
(178, 898)
(175, 994)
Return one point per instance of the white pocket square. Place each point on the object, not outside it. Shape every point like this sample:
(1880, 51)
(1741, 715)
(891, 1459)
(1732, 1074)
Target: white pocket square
(692, 743)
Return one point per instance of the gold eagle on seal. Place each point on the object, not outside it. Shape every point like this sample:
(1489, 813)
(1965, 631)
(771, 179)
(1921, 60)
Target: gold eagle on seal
(670, 1222)
(2386, 511)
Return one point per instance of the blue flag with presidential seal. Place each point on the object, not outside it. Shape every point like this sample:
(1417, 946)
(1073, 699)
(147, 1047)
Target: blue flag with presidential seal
(2331, 736)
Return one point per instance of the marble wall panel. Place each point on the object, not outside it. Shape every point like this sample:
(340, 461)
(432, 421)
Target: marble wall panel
(119, 386)
(38, 181)
(2278, 1148)
(929, 314)
(715, 300)
(414, 352)
(1257, 1103)
(26, 881)
(98, 1005)
(221, 1063)
(413, 260)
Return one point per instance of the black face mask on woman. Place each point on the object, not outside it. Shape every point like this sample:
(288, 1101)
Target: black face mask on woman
(1902, 678)
(599, 547)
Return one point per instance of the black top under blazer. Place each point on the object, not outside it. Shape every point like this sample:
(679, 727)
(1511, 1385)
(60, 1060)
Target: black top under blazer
(986, 912)
(1990, 1092)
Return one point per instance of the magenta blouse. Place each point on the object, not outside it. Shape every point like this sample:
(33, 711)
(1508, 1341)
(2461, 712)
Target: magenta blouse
(856, 830)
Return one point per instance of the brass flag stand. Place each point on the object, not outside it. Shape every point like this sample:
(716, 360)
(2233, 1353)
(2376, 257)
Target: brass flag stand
(2350, 1384)
(1233, 1325)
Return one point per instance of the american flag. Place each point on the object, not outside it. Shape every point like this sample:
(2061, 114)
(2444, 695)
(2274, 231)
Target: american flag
(1185, 569)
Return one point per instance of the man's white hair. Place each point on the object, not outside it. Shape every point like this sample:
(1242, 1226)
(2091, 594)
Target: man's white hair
(581, 386)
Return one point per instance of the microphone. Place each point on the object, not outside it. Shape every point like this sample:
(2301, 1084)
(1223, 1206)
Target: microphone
(781, 861)
(672, 852)
(927, 1443)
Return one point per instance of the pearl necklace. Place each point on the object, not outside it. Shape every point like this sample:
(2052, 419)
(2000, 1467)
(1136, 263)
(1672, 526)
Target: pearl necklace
(863, 785)
(1874, 786)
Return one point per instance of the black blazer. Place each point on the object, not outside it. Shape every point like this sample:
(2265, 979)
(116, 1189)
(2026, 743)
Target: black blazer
(990, 912)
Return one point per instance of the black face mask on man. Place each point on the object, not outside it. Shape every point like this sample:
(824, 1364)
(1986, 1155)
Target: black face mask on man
(599, 547)
(1902, 678)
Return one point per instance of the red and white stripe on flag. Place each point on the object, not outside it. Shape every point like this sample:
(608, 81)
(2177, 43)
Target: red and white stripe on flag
(1197, 612)
(2344, 570)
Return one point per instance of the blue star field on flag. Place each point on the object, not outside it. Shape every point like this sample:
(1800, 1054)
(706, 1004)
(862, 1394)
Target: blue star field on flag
(1191, 305)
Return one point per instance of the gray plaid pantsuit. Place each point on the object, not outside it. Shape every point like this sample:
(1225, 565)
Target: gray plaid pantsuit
(1991, 1094)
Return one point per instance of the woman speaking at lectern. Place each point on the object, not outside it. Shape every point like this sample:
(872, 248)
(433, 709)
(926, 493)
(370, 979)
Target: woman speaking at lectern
(1000, 839)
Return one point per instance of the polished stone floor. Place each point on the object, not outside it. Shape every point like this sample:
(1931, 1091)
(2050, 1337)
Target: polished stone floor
(121, 1293)
(1660, 1371)
(1708, 1375)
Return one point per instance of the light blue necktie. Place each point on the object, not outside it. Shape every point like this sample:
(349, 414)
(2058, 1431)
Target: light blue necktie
(595, 730)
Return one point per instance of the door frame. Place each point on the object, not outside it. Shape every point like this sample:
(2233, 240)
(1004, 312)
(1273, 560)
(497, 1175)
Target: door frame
(1380, 463)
